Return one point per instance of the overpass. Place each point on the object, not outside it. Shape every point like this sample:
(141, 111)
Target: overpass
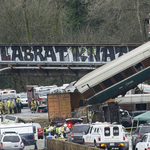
(57, 59)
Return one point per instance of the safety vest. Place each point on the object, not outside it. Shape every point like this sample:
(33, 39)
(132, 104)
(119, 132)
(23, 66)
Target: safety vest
(18, 99)
(33, 104)
(58, 130)
(18, 102)
(1, 105)
(46, 130)
(64, 129)
(8, 103)
(50, 128)
(12, 104)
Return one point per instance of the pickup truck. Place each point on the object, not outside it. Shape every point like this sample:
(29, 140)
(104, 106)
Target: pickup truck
(125, 117)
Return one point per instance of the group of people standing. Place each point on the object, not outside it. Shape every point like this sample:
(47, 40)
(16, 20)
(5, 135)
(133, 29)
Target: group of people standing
(10, 106)
(60, 131)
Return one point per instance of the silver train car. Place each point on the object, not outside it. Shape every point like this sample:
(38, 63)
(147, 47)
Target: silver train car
(116, 77)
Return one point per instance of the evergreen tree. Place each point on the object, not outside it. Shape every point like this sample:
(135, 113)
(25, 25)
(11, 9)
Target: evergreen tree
(76, 11)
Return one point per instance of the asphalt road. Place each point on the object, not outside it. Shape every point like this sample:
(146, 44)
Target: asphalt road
(26, 114)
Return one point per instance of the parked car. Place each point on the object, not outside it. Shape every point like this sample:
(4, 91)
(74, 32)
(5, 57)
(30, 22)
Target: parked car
(39, 130)
(144, 143)
(8, 119)
(106, 135)
(27, 131)
(77, 132)
(11, 140)
(138, 134)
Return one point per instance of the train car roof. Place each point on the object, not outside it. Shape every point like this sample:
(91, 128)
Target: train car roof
(109, 66)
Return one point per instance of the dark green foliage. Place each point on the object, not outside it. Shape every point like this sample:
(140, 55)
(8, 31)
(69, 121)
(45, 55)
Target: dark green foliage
(69, 21)
(76, 12)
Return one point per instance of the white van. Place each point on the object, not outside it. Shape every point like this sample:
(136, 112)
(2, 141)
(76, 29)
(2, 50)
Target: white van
(24, 99)
(27, 131)
(106, 135)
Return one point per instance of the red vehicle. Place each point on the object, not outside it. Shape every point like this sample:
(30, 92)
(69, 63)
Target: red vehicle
(39, 93)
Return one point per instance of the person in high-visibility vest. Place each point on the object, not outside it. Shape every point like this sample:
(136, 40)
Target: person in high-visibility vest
(12, 106)
(1, 107)
(50, 129)
(18, 103)
(64, 131)
(8, 106)
(58, 131)
(46, 129)
(53, 132)
(33, 105)
(5, 107)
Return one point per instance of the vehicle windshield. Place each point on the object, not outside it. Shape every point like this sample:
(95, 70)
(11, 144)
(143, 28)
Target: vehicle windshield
(10, 118)
(11, 139)
(77, 129)
(23, 96)
(145, 129)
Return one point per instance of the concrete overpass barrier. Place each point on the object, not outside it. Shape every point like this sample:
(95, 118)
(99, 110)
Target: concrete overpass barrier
(53, 144)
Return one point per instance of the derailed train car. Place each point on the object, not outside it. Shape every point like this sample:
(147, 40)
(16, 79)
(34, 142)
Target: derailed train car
(116, 77)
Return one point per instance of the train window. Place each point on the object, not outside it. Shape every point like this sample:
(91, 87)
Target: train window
(128, 72)
(139, 67)
(141, 106)
(146, 62)
(97, 88)
(88, 93)
(107, 83)
(118, 77)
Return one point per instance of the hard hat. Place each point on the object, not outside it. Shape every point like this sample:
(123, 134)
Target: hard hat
(65, 125)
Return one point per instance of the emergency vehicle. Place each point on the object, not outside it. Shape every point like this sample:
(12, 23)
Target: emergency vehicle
(7, 94)
(106, 135)
(39, 93)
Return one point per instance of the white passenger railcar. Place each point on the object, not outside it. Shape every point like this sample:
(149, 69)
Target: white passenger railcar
(116, 77)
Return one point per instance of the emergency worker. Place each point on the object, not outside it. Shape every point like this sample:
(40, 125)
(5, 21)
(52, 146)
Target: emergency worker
(1, 107)
(64, 131)
(50, 129)
(53, 132)
(12, 106)
(46, 130)
(58, 131)
(7, 105)
(18, 104)
(33, 105)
